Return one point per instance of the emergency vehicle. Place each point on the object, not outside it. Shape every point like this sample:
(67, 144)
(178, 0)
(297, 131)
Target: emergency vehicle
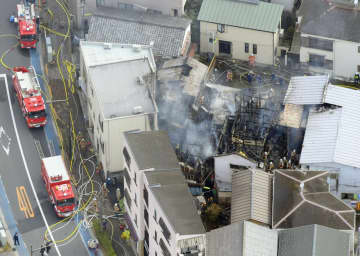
(27, 25)
(28, 93)
(58, 186)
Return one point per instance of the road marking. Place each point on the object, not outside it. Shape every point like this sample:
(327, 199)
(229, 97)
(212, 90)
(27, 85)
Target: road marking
(26, 166)
(5, 140)
(39, 149)
(24, 202)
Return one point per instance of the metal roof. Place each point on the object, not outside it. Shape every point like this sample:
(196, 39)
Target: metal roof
(152, 150)
(176, 201)
(242, 238)
(305, 90)
(261, 16)
(55, 166)
(297, 205)
(321, 135)
(333, 135)
(133, 27)
(313, 240)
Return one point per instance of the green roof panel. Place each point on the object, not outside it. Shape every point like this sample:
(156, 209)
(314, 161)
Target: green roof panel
(258, 16)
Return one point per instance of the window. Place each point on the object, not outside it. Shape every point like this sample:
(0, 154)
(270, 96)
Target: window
(358, 49)
(316, 60)
(321, 44)
(221, 28)
(224, 47)
(155, 253)
(135, 178)
(358, 68)
(211, 40)
(146, 240)
(127, 157)
(348, 196)
(101, 124)
(247, 47)
(92, 91)
(176, 12)
(127, 198)
(165, 230)
(146, 217)
(254, 48)
(135, 219)
(102, 147)
(146, 196)
(127, 178)
(155, 236)
(164, 248)
(135, 199)
(155, 216)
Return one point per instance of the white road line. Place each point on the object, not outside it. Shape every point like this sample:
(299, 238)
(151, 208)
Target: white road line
(26, 166)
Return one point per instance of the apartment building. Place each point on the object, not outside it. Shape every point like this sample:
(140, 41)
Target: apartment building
(117, 87)
(160, 208)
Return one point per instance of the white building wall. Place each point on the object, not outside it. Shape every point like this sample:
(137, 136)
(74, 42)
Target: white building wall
(345, 56)
(266, 42)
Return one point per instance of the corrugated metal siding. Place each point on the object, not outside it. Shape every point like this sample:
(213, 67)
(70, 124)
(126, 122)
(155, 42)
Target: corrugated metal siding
(262, 197)
(253, 233)
(241, 196)
(331, 242)
(304, 90)
(320, 137)
(296, 241)
(348, 140)
(225, 241)
(262, 16)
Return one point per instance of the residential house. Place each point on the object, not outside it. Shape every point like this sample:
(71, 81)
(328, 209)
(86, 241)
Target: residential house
(313, 240)
(243, 238)
(224, 167)
(330, 38)
(302, 198)
(169, 36)
(240, 29)
(331, 136)
(117, 86)
(160, 208)
(251, 197)
(83, 9)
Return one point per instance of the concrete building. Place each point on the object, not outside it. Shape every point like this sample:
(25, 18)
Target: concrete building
(170, 36)
(160, 208)
(239, 29)
(330, 38)
(117, 87)
(82, 9)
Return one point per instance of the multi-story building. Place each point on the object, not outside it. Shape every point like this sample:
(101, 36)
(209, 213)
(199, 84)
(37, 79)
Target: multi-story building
(240, 29)
(117, 83)
(160, 208)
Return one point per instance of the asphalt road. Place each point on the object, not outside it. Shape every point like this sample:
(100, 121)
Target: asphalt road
(12, 169)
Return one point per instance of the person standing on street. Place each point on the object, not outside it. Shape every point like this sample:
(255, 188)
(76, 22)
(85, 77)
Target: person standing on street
(16, 239)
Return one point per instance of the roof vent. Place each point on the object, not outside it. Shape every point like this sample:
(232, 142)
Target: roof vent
(137, 110)
(140, 80)
(137, 48)
(107, 46)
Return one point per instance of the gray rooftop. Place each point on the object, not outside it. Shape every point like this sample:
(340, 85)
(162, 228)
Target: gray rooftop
(152, 150)
(135, 27)
(323, 18)
(294, 207)
(313, 240)
(176, 201)
(115, 75)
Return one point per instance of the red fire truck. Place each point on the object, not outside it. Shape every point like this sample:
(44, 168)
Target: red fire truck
(58, 186)
(28, 92)
(27, 25)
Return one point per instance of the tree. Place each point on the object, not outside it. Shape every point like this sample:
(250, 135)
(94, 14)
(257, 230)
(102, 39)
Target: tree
(212, 212)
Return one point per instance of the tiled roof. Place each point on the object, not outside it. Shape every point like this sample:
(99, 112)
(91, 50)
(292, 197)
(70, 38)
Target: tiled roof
(305, 90)
(303, 198)
(253, 14)
(140, 28)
